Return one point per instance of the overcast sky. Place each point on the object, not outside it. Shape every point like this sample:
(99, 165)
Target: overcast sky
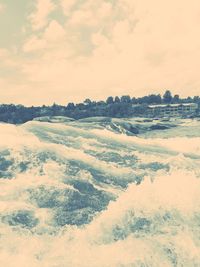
(69, 50)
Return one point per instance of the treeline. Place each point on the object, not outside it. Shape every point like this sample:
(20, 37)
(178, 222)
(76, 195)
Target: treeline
(124, 106)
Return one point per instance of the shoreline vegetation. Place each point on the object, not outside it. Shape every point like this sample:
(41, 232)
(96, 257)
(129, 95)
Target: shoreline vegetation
(116, 107)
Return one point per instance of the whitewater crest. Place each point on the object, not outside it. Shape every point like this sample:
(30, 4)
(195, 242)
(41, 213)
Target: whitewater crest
(100, 193)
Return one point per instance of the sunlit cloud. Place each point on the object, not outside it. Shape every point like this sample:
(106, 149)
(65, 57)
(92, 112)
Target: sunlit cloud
(75, 50)
(2, 7)
(39, 17)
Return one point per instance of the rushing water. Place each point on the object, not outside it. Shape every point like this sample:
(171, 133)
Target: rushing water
(80, 194)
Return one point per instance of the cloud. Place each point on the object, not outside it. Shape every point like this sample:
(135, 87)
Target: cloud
(67, 6)
(39, 18)
(34, 44)
(54, 32)
(51, 37)
(7, 60)
(91, 14)
(128, 47)
(2, 7)
(3, 53)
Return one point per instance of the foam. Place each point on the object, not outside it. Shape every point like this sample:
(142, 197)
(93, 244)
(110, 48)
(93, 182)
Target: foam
(152, 224)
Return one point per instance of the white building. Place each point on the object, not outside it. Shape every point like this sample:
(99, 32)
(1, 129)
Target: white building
(170, 110)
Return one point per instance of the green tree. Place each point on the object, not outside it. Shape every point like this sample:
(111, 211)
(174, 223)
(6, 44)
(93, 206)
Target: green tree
(167, 97)
(154, 99)
(176, 99)
(110, 100)
(196, 99)
(87, 102)
(134, 100)
(70, 106)
(117, 99)
(125, 99)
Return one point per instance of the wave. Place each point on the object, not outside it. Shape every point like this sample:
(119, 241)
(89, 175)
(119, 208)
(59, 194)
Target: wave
(78, 196)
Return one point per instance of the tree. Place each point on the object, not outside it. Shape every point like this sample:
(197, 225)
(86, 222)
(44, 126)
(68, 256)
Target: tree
(110, 100)
(100, 103)
(87, 102)
(55, 109)
(134, 100)
(117, 99)
(154, 99)
(188, 99)
(143, 100)
(167, 97)
(70, 106)
(176, 99)
(196, 99)
(125, 99)
(80, 106)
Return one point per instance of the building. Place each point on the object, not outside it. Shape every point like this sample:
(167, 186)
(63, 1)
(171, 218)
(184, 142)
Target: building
(172, 110)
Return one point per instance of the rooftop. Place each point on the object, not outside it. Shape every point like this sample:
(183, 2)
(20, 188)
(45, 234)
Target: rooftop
(172, 105)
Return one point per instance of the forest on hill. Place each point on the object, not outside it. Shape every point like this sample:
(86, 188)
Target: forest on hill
(117, 107)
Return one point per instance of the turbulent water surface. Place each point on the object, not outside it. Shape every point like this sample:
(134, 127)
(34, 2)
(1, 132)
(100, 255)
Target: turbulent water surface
(100, 193)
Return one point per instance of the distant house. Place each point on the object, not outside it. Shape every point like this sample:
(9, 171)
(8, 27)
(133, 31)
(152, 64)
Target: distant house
(172, 110)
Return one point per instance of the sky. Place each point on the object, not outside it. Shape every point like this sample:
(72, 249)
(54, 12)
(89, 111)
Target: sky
(69, 50)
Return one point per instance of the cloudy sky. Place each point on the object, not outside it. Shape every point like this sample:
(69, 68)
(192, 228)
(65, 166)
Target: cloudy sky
(69, 50)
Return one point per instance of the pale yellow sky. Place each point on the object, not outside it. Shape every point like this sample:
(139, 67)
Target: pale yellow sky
(69, 50)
